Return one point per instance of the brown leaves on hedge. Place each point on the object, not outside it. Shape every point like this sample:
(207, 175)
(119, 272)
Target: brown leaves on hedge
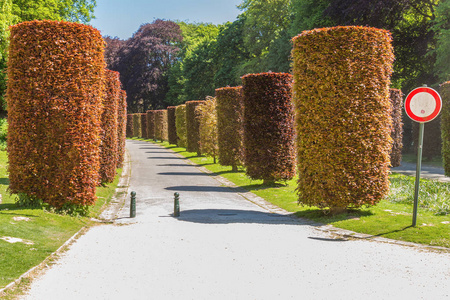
(137, 126)
(161, 132)
(207, 118)
(109, 145)
(150, 124)
(269, 126)
(192, 128)
(55, 93)
(122, 127)
(396, 98)
(341, 94)
(144, 129)
(180, 123)
(171, 125)
(230, 126)
(130, 125)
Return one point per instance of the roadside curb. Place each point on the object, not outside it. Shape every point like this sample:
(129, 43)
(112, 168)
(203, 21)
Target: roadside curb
(339, 232)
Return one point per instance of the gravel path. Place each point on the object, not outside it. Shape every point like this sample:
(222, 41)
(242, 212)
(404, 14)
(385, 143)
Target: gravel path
(225, 247)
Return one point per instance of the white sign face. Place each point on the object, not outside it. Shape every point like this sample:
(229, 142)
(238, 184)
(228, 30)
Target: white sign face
(423, 105)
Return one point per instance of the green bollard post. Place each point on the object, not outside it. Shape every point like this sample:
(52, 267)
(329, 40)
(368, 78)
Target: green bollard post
(176, 209)
(133, 205)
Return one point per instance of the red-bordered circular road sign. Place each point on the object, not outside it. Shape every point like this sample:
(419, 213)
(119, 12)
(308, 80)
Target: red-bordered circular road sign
(423, 104)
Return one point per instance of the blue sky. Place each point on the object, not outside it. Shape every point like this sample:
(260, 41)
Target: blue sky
(122, 18)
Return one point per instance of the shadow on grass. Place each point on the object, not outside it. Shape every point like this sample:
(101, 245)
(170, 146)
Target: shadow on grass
(393, 231)
(9, 208)
(4, 181)
(320, 215)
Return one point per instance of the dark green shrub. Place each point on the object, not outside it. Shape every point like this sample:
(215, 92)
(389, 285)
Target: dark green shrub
(341, 94)
(230, 117)
(396, 97)
(161, 133)
(171, 125)
(150, 124)
(180, 123)
(444, 91)
(192, 128)
(269, 135)
(137, 129)
(122, 127)
(55, 93)
(109, 145)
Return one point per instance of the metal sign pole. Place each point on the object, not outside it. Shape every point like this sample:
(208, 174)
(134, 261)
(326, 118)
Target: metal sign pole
(418, 169)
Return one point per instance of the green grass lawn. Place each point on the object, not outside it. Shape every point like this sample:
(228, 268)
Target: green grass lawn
(391, 218)
(42, 232)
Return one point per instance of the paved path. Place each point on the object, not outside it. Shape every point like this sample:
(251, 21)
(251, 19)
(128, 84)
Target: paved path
(427, 172)
(225, 247)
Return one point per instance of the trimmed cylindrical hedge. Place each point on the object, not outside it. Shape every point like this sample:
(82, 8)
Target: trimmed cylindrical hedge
(341, 94)
(122, 127)
(150, 124)
(171, 125)
(230, 118)
(161, 133)
(137, 130)
(130, 125)
(207, 117)
(55, 93)
(180, 120)
(109, 145)
(144, 129)
(269, 136)
(445, 125)
(396, 98)
(192, 127)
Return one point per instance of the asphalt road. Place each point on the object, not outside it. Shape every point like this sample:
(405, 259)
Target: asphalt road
(224, 247)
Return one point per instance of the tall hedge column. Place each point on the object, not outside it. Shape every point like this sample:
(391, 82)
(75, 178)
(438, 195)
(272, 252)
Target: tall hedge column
(341, 95)
(445, 125)
(192, 127)
(230, 118)
(269, 126)
(55, 93)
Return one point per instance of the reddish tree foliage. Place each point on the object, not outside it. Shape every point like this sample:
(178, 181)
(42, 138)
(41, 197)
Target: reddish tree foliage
(269, 126)
(55, 94)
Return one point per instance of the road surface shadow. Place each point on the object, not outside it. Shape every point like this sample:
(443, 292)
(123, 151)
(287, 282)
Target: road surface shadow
(183, 173)
(232, 216)
(194, 188)
(166, 157)
(176, 165)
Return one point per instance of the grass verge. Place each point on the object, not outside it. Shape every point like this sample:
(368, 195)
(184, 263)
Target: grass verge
(391, 218)
(29, 236)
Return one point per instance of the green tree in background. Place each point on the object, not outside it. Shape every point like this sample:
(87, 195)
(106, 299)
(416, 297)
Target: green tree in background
(6, 19)
(442, 29)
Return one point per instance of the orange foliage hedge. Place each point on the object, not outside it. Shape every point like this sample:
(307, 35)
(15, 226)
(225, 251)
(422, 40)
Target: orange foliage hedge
(444, 91)
(161, 133)
(192, 127)
(341, 94)
(150, 124)
(122, 127)
(55, 93)
(130, 125)
(230, 117)
(180, 120)
(207, 118)
(109, 145)
(269, 135)
(171, 125)
(396, 97)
